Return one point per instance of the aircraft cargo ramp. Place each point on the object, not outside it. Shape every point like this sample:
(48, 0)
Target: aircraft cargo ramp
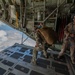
(16, 60)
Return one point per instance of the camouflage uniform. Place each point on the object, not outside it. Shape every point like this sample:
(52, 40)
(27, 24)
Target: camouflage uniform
(40, 45)
(69, 40)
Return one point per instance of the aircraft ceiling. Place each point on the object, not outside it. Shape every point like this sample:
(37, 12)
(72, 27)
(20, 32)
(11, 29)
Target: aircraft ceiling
(24, 14)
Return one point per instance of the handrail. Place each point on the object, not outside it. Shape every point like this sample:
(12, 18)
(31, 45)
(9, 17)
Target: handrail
(53, 11)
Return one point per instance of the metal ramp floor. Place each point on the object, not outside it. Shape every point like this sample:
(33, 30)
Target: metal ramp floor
(16, 60)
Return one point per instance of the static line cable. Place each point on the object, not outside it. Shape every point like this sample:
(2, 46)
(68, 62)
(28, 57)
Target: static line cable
(26, 38)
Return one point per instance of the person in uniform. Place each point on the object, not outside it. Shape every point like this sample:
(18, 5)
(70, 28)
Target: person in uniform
(69, 40)
(45, 37)
(40, 44)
